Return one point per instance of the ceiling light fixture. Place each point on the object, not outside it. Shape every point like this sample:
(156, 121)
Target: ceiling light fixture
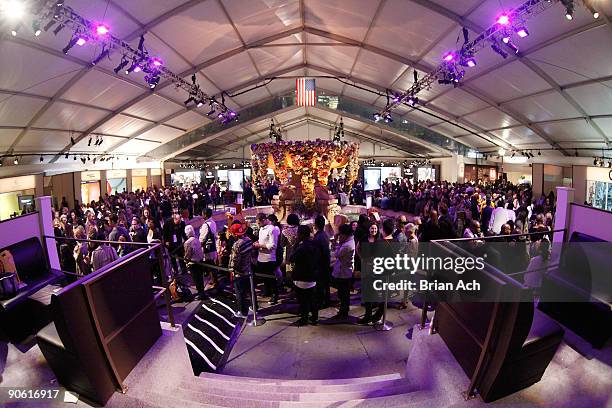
(13, 9)
(504, 19)
(522, 32)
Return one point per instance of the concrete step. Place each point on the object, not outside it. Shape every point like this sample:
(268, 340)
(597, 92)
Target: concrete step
(269, 381)
(269, 395)
(153, 400)
(201, 384)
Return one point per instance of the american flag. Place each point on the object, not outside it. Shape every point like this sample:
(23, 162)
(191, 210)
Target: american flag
(305, 91)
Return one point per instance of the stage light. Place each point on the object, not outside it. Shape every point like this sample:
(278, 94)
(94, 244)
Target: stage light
(42, 159)
(504, 19)
(388, 118)
(66, 156)
(72, 140)
(89, 143)
(16, 161)
(156, 62)
(15, 30)
(522, 32)
(470, 62)
(449, 56)
(200, 103)
(513, 47)
(94, 160)
(58, 29)
(576, 152)
(83, 160)
(13, 9)
(36, 28)
(100, 57)
(189, 100)
(48, 26)
(71, 44)
(81, 41)
(506, 39)
(376, 117)
(74, 157)
(539, 153)
(132, 68)
(121, 65)
(513, 153)
(101, 29)
(152, 80)
(495, 46)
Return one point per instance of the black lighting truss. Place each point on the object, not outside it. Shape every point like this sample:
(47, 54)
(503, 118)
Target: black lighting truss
(452, 72)
(47, 12)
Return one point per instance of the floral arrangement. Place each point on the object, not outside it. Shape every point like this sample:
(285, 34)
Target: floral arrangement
(312, 161)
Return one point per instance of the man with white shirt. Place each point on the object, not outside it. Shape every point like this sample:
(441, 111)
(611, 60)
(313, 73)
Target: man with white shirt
(266, 259)
(499, 217)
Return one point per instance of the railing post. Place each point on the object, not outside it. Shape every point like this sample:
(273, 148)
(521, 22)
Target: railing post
(165, 284)
(385, 325)
(256, 321)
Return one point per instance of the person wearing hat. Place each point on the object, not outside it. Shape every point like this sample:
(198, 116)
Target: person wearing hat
(240, 264)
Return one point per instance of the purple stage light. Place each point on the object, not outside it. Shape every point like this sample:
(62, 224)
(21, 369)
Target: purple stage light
(470, 62)
(220, 115)
(81, 41)
(449, 56)
(137, 69)
(522, 32)
(157, 62)
(506, 39)
(101, 29)
(504, 19)
(232, 114)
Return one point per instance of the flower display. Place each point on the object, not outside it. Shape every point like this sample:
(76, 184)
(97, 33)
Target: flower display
(312, 161)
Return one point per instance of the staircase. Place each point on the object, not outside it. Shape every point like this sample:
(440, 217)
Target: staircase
(216, 390)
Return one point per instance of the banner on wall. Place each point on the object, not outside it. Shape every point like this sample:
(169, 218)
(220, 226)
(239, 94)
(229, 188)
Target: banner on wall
(90, 176)
(139, 172)
(114, 174)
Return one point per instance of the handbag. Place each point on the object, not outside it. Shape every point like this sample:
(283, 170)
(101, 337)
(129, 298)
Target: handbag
(8, 285)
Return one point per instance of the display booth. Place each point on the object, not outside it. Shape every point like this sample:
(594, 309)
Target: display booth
(116, 181)
(139, 179)
(16, 195)
(90, 186)
(186, 178)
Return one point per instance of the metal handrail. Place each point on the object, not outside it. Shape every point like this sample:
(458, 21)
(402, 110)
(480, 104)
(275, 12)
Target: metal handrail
(500, 236)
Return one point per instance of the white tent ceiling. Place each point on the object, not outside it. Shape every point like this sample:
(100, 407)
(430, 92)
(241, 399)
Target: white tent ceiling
(556, 92)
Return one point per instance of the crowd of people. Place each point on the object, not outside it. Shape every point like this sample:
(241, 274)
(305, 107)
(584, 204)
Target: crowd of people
(301, 258)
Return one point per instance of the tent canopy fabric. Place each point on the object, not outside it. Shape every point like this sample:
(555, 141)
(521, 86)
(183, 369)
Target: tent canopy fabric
(555, 93)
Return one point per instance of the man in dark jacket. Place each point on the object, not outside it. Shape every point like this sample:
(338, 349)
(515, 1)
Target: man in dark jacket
(321, 240)
(174, 236)
(305, 258)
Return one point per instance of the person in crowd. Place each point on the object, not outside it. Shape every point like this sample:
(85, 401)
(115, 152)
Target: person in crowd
(208, 240)
(174, 237)
(305, 258)
(321, 240)
(241, 263)
(399, 234)
(280, 252)
(343, 269)
(194, 256)
(81, 252)
(431, 229)
(288, 241)
(101, 254)
(538, 265)
(266, 258)
(499, 217)
(117, 230)
(137, 232)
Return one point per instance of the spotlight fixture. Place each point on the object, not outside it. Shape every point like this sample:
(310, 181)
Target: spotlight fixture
(122, 64)
(569, 9)
(58, 29)
(83, 160)
(48, 26)
(189, 100)
(66, 156)
(513, 153)
(539, 153)
(200, 103)
(94, 160)
(72, 140)
(504, 19)
(102, 30)
(70, 44)
(74, 157)
(42, 159)
(156, 62)
(576, 152)
(15, 30)
(89, 143)
(16, 161)
(495, 47)
(449, 56)
(152, 80)
(387, 117)
(36, 28)
(376, 117)
(506, 38)
(469, 62)
(513, 47)
(521, 31)
(81, 41)
(592, 10)
(100, 57)
(132, 68)
(14, 9)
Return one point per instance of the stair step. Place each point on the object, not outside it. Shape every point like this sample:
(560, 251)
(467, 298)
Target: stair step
(270, 395)
(153, 400)
(204, 384)
(275, 381)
